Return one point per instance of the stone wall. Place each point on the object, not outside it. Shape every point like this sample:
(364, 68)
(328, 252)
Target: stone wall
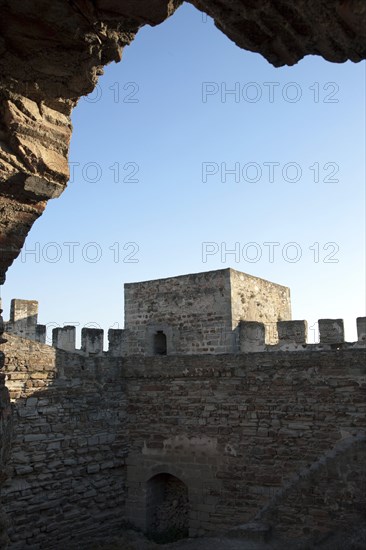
(256, 299)
(5, 432)
(239, 431)
(70, 440)
(332, 489)
(237, 428)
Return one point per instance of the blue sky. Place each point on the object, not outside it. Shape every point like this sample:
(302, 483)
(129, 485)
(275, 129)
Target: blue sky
(151, 193)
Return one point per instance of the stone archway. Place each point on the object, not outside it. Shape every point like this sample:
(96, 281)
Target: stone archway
(154, 479)
(38, 91)
(167, 508)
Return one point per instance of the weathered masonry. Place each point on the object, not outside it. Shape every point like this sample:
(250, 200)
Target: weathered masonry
(189, 314)
(200, 313)
(197, 442)
(39, 91)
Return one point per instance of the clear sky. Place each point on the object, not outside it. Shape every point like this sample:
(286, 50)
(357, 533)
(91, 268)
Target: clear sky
(190, 148)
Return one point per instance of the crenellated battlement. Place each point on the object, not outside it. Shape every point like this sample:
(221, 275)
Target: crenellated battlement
(253, 337)
(165, 339)
(92, 341)
(23, 322)
(293, 336)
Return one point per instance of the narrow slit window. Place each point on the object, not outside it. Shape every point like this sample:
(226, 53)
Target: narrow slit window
(160, 343)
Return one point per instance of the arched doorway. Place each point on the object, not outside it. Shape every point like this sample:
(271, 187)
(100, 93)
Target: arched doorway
(167, 508)
(160, 346)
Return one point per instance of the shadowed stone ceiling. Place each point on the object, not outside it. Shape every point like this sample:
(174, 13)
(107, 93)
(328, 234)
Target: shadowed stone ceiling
(51, 53)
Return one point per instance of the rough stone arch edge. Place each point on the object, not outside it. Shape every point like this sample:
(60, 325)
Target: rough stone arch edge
(38, 93)
(28, 106)
(168, 469)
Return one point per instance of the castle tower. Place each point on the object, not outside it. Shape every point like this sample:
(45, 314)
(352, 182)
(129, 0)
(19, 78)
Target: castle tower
(200, 313)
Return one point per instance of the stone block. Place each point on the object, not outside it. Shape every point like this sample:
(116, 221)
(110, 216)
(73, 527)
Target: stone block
(92, 340)
(361, 329)
(64, 338)
(41, 333)
(116, 342)
(93, 468)
(331, 331)
(259, 532)
(292, 332)
(252, 336)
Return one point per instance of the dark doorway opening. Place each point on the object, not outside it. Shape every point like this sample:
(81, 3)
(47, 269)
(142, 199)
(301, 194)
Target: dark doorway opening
(167, 509)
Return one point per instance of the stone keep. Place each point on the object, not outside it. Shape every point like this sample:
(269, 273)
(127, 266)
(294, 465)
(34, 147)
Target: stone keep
(200, 313)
